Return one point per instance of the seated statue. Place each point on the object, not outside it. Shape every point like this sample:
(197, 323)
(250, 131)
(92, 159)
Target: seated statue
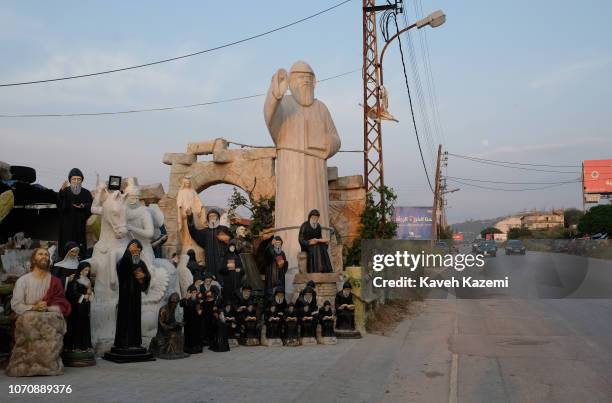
(313, 243)
(169, 341)
(326, 319)
(273, 321)
(345, 310)
(291, 332)
(219, 341)
(233, 328)
(39, 305)
(249, 325)
(308, 326)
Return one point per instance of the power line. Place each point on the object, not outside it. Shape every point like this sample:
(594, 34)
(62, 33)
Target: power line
(515, 183)
(116, 70)
(416, 132)
(514, 163)
(510, 190)
(487, 162)
(165, 108)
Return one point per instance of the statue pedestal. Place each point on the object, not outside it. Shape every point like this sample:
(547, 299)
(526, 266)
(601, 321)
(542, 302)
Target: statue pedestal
(78, 358)
(132, 354)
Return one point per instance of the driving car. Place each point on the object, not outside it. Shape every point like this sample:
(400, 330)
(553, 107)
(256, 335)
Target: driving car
(515, 246)
(487, 248)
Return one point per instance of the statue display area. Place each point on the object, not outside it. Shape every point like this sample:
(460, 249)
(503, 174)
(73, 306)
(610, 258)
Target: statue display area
(226, 287)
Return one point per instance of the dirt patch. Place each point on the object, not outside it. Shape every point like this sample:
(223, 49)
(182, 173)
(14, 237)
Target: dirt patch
(384, 318)
(432, 374)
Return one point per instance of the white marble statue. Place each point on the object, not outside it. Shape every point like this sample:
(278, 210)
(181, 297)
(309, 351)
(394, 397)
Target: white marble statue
(188, 199)
(305, 137)
(122, 221)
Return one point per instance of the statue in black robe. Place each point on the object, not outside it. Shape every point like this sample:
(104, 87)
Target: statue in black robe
(233, 327)
(312, 242)
(208, 317)
(291, 333)
(134, 279)
(196, 270)
(66, 269)
(213, 240)
(276, 265)
(308, 323)
(345, 308)
(243, 298)
(219, 342)
(231, 272)
(312, 286)
(192, 315)
(307, 299)
(74, 207)
(278, 301)
(273, 323)
(169, 342)
(250, 328)
(326, 319)
(79, 293)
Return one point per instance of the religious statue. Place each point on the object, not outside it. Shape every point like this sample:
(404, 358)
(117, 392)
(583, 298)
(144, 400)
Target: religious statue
(274, 324)
(315, 245)
(243, 298)
(242, 243)
(140, 223)
(74, 207)
(188, 200)
(78, 350)
(196, 270)
(308, 325)
(192, 315)
(307, 298)
(345, 308)
(233, 328)
(250, 333)
(305, 137)
(291, 332)
(276, 265)
(208, 319)
(169, 342)
(278, 300)
(326, 319)
(134, 278)
(214, 239)
(219, 342)
(39, 305)
(66, 269)
(231, 272)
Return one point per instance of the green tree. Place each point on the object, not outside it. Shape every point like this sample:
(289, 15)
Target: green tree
(262, 212)
(446, 232)
(375, 223)
(572, 216)
(597, 219)
(489, 230)
(519, 232)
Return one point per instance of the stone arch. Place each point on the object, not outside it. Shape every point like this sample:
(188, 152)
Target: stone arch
(251, 170)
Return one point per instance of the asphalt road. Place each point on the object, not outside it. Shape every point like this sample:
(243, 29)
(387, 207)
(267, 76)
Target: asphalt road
(478, 346)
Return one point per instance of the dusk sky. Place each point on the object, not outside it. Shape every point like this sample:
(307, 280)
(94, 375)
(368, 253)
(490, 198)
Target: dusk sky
(516, 81)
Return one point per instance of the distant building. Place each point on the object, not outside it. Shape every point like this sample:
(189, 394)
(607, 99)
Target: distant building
(508, 223)
(542, 220)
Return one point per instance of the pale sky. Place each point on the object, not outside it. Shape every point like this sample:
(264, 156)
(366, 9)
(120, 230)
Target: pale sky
(518, 81)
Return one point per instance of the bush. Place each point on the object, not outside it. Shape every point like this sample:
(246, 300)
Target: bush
(597, 219)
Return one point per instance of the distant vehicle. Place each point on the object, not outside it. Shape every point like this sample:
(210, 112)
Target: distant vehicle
(600, 235)
(515, 246)
(487, 248)
(475, 245)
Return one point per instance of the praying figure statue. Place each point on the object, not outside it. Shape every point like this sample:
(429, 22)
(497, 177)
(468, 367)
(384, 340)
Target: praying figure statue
(312, 242)
(39, 305)
(345, 308)
(79, 293)
(305, 137)
(214, 239)
(74, 207)
(276, 265)
(187, 199)
(66, 269)
(169, 342)
(134, 279)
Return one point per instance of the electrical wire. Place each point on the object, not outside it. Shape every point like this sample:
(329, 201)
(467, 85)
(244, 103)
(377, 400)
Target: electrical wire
(512, 166)
(225, 45)
(165, 108)
(511, 190)
(416, 132)
(515, 183)
(515, 163)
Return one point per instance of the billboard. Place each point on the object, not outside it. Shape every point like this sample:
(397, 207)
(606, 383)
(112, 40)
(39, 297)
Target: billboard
(597, 176)
(413, 222)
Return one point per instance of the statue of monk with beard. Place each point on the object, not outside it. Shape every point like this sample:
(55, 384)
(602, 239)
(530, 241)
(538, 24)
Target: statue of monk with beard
(305, 137)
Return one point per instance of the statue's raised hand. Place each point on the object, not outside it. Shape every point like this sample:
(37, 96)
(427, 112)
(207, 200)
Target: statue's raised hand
(280, 83)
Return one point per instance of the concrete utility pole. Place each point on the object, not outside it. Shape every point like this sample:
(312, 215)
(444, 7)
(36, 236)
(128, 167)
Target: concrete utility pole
(436, 200)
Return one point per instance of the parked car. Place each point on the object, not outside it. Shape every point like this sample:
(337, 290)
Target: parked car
(487, 248)
(515, 246)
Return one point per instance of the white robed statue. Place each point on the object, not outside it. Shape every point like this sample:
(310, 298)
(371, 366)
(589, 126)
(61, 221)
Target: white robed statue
(188, 199)
(305, 137)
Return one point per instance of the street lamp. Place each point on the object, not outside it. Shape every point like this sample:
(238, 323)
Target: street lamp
(434, 20)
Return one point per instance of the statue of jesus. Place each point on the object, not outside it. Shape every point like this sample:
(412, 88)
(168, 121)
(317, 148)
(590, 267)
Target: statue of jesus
(305, 137)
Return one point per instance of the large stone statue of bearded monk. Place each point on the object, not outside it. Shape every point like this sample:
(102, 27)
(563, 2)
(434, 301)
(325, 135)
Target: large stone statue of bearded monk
(305, 137)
